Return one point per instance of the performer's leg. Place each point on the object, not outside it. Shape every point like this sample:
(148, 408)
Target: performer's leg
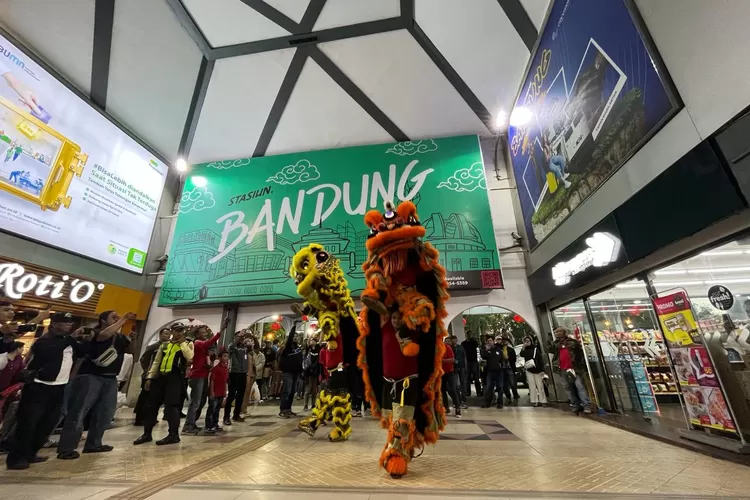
(403, 440)
(342, 416)
(322, 407)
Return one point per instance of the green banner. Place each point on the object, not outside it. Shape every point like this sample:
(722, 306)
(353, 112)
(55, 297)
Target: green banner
(241, 221)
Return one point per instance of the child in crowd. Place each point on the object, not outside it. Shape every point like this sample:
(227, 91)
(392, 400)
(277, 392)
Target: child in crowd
(217, 392)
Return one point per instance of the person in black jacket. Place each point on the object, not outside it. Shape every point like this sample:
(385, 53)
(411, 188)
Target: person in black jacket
(534, 374)
(290, 363)
(52, 358)
(470, 346)
(492, 353)
(510, 386)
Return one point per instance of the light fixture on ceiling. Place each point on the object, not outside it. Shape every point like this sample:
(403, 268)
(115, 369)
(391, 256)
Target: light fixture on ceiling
(501, 120)
(180, 165)
(520, 116)
(722, 253)
(199, 181)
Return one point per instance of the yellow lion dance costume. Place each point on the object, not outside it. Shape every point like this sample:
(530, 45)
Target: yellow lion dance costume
(320, 282)
(401, 343)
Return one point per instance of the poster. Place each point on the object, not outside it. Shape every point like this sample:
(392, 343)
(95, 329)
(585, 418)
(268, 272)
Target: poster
(704, 400)
(592, 96)
(69, 177)
(241, 221)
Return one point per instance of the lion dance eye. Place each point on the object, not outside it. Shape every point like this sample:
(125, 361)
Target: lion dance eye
(382, 227)
(400, 221)
(321, 257)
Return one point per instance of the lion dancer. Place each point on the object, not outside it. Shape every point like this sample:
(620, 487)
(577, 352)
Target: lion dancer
(401, 343)
(320, 281)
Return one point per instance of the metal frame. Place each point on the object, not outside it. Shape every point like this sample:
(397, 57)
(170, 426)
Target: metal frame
(104, 19)
(521, 21)
(196, 105)
(302, 36)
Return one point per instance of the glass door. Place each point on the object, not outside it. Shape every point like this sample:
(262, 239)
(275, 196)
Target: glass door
(574, 319)
(633, 349)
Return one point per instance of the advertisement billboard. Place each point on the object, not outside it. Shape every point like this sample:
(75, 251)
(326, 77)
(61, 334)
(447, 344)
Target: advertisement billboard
(241, 221)
(69, 177)
(591, 98)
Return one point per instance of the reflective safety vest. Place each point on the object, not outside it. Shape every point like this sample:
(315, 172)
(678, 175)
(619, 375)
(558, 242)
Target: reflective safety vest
(169, 352)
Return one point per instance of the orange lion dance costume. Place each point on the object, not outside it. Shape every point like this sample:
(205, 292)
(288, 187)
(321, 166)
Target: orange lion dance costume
(401, 340)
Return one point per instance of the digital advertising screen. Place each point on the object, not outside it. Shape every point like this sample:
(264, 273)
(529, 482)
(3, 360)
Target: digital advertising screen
(69, 177)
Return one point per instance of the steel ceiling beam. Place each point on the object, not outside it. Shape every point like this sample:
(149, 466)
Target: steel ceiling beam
(196, 105)
(314, 8)
(282, 99)
(291, 41)
(521, 21)
(104, 20)
(364, 102)
(273, 14)
(187, 22)
(452, 76)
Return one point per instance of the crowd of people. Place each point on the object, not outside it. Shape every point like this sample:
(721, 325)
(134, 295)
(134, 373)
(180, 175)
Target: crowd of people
(70, 378)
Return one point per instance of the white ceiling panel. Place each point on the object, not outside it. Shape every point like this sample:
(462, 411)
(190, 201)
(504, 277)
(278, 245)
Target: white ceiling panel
(344, 12)
(62, 33)
(228, 22)
(480, 43)
(536, 9)
(153, 68)
(320, 115)
(293, 9)
(239, 98)
(393, 70)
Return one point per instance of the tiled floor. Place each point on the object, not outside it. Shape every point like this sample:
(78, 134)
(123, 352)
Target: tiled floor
(515, 452)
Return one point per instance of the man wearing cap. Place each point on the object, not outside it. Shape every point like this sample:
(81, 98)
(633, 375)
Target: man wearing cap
(49, 366)
(166, 383)
(11, 330)
(94, 389)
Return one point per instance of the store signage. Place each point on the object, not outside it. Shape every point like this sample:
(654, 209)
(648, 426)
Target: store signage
(705, 400)
(241, 221)
(15, 281)
(603, 249)
(720, 297)
(69, 177)
(582, 96)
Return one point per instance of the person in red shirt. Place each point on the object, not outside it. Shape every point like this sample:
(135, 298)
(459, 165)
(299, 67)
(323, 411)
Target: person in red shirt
(569, 361)
(199, 373)
(449, 381)
(217, 392)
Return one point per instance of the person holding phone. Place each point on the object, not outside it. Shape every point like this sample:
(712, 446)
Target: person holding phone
(534, 365)
(94, 388)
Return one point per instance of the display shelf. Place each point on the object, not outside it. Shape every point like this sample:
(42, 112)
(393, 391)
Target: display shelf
(667, 393)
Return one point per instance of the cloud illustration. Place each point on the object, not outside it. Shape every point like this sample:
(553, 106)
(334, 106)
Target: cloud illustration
(409, 148)
(302, 171)
(227, 164)
(466, 180)
(196, 200)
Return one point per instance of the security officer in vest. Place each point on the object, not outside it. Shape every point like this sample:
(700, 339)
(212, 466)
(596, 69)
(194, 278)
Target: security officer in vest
(167, 386)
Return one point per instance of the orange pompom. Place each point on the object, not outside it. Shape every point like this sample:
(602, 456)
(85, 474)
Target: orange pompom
(411, 349)
(406, 209)
(332, 345)
(373, 218)
(396, 466)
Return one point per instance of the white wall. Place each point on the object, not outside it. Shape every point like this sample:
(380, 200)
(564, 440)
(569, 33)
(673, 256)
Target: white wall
(704, 47)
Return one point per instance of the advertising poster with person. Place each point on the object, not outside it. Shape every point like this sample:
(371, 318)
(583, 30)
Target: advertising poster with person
(591, 98)
(704, 400)
(241, 221)
(69, 177)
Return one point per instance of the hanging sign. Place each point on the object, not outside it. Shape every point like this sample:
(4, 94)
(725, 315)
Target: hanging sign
(15, 282)
(720, 297)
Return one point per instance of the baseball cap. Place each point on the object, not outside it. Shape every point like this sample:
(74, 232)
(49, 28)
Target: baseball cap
(62, 317)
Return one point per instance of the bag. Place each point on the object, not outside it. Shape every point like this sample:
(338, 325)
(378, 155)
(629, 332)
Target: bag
(307, 362)
(530, 364)
(107, 357)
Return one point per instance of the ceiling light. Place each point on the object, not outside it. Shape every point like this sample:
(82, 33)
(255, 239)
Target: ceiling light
(719, 270)
(199, 181)
(180, 165)
(520, 116)
(501, 121)
(637, 301)
(721, 253)
(670, 271)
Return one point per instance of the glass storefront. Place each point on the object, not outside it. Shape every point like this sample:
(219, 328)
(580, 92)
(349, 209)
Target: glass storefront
(674, 344)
